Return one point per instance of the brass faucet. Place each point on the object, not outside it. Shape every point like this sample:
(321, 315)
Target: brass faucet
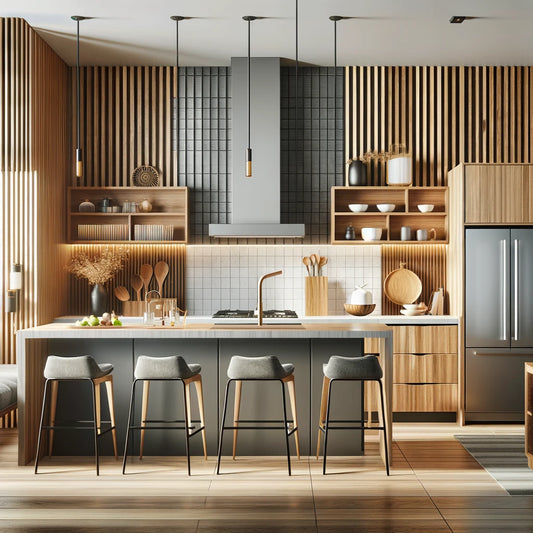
(260, 295)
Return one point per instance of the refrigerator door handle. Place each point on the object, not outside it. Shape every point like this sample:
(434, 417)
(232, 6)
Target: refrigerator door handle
(516, 335)
(503, 291)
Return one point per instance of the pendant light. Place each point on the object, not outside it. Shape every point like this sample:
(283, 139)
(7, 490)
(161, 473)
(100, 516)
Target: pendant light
(335, 19)
(296, 66)
(248, 174)
(79, 156)
(177, 18)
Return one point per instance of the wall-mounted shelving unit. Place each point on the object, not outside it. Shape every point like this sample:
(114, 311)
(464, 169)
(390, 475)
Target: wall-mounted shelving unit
(406, 213)
(167, 222)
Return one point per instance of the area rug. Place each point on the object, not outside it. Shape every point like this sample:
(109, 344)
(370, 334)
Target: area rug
(502, 456)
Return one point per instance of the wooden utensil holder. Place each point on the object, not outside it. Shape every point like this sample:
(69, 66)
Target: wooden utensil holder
(316, 296)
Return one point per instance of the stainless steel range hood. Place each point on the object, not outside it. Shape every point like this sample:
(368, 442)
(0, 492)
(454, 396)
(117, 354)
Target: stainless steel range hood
(256, 200)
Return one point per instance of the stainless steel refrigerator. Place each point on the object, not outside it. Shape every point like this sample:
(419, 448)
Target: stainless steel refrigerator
(498, 321)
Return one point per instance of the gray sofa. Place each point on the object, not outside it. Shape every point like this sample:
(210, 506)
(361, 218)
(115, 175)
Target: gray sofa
(8, 388)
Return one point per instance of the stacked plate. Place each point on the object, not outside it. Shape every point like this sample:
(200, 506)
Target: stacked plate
(414, 309)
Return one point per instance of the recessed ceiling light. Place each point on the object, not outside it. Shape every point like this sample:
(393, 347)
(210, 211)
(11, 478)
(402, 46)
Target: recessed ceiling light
(457, 19)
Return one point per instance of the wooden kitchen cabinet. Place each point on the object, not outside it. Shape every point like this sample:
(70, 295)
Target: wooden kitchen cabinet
(167, 222)
(406, 213)
(425, 369)
(498, 194)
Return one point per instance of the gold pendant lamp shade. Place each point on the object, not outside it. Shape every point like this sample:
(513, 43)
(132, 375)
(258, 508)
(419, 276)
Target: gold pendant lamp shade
(248, 174)
(79, 153)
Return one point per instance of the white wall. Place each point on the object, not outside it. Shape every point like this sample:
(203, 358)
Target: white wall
(225, 277)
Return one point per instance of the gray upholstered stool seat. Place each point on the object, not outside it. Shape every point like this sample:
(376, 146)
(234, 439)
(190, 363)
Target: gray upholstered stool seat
(81, 367)
(266, 367)
(8, 388)
(77, 368)
(172, 367)
(340, 368)
(365, 367)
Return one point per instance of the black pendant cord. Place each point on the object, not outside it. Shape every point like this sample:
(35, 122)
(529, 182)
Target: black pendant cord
(335, 19)
(177, 18)
(248, 172)
(79, 156)
(296, 71)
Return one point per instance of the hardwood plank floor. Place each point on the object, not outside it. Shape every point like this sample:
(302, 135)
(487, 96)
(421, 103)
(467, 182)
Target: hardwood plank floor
(435, 485)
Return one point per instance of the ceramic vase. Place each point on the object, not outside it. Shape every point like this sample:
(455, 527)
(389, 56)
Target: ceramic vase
(98, 300)
(356, 173)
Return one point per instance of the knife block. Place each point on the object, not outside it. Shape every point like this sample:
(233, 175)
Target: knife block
(316, 296)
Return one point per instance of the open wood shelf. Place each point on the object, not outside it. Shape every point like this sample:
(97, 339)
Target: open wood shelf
(169, 210)
(406, 213)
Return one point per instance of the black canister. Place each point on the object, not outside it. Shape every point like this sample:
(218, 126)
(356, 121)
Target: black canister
(356, 173)
(350, 233)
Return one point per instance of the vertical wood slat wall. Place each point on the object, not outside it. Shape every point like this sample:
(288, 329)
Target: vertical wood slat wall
(173, 286)
(445, 116)
(427, 262)
(33, 161)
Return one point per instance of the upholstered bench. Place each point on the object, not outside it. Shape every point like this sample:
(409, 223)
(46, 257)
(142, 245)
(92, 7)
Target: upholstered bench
(8, 388)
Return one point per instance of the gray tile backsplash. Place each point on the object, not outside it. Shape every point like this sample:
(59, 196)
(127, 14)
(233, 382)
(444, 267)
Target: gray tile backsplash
(225, 277)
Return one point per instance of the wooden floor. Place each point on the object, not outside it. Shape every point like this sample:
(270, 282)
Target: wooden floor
(435, 485)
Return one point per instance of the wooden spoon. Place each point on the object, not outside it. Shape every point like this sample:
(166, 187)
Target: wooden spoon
(137, 284)
(160, 271)
(122, 293)
(314, 263)
(307, 262)
(321, 262)
(146, 276)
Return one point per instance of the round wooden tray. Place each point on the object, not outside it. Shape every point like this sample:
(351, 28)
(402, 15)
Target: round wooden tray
(145, 176)
(402, 286)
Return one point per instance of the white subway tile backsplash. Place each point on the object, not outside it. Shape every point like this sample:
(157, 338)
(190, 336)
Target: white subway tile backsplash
(225, 277)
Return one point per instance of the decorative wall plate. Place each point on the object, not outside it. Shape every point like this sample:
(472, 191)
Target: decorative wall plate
(145, 176)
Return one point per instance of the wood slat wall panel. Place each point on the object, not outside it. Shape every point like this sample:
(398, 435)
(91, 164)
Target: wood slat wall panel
(33, 162)
(445, 116)
(173, 287)
(427, 262)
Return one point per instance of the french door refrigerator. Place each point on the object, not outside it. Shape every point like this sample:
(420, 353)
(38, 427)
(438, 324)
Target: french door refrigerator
(498, 321)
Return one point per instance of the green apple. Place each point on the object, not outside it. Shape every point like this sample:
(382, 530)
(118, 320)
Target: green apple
(117, 322)
(94, 321)
(85, 321)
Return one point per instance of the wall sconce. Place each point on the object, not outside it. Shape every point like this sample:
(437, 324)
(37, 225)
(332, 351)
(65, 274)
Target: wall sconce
(11, 301)
(15, 277)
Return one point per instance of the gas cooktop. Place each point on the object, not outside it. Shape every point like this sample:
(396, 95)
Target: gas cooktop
(269, 313)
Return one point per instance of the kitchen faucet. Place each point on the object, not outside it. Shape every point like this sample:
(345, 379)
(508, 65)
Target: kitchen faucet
(260, 295)
(146, 302)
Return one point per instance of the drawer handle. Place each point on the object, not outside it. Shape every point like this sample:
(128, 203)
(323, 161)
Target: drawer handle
(418, 354)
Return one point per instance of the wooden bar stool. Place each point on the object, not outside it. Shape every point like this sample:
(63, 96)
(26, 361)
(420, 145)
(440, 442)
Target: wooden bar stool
(82, 368)
(172, 368)
(267, 368)
(339, 368)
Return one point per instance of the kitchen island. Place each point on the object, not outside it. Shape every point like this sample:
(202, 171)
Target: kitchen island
(308, 346)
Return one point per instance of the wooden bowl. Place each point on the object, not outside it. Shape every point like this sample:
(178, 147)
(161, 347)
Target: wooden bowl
(359, 310)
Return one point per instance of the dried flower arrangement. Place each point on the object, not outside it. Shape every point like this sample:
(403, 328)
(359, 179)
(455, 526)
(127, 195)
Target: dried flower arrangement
(98, 267)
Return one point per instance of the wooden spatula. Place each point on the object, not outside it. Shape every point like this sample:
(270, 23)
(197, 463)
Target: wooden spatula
(137, 284)
(160, 271)
(146, 276)
(122, 293)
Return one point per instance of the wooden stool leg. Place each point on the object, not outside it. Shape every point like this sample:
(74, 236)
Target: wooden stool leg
(53, 406)
(98, 406)
(188, 400)
(323, 406)
(111, 404)
(292, 397)
(236, 412)
(144, 414)
(200, 395)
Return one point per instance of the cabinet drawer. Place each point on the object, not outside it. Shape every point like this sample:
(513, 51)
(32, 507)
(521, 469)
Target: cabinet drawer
(425, 368)
(424, 398)
(425, 339)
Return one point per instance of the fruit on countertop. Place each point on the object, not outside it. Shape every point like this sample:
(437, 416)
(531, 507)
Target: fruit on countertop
(105, 320)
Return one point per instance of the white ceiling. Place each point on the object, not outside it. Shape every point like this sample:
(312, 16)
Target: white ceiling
(380, 32)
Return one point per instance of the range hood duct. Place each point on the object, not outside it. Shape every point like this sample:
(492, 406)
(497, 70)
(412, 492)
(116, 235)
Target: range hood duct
(256, 200)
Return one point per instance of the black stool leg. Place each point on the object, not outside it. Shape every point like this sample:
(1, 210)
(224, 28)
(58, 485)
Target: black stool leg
(41, 426)
(130, 414)
(185, 407)
(222, 425)
(95, 430)
(384, 426)
(285, 426)
(326, 427)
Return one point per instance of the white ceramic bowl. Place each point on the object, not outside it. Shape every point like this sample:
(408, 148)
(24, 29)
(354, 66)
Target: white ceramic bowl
(386, 208)
(411, 306)
(371, 234)
(412, 312)
(358, 208)
(425, 208)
